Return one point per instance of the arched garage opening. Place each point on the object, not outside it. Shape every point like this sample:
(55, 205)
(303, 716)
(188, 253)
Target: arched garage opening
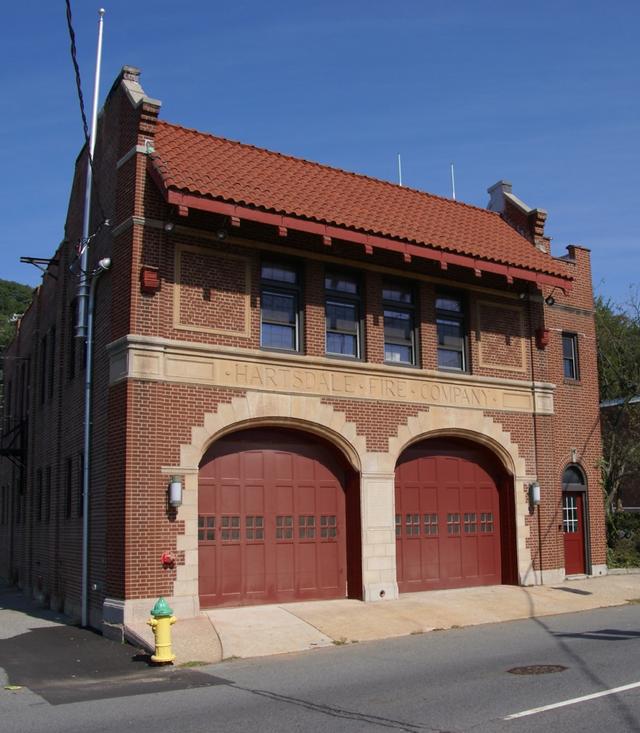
(454, 516)
(278, 520)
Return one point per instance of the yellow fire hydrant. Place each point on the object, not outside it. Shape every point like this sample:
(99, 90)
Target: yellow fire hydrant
(161, 622)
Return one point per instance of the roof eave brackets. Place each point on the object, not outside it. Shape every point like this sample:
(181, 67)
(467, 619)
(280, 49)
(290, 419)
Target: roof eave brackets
(368, 241)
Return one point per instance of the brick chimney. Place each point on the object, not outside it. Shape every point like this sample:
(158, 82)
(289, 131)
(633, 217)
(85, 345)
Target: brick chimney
(525, 220)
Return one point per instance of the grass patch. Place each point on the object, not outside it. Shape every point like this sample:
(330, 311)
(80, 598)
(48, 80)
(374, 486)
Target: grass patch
(193, 663)
(340, 642)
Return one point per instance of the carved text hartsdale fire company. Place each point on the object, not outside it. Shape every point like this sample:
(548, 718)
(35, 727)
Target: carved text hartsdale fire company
(343, 384)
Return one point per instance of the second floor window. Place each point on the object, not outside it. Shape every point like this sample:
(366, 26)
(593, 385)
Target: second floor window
(39, 501)
(52, 362)
(44, 363)
(399, 323)
(570, 356)
(342, 313)
(280, 306)
(71, 351)
(68, 499)
(451, 332)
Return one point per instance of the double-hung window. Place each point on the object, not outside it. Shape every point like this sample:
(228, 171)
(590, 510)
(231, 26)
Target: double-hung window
(71, 347)
(280, 306)
(398, 303)
(570, 356)
(452, 352)
(342, 315)
(44, 363)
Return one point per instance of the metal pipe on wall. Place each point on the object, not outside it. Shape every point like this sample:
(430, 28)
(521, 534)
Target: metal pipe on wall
(103, 266)
(83, 285)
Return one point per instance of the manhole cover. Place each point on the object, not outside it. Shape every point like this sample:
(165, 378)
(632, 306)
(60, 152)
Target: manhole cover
(537, 669)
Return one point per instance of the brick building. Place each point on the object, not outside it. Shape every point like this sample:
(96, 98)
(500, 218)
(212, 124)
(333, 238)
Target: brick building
(356, 386)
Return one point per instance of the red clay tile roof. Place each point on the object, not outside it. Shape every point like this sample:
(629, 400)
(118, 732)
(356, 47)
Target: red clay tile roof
(203, 165)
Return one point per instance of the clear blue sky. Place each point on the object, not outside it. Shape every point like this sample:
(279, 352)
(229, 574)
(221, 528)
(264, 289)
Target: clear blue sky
(545, 94)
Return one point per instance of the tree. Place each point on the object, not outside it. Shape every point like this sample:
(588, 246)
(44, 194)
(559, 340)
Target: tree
(618, 334)
(14, 299)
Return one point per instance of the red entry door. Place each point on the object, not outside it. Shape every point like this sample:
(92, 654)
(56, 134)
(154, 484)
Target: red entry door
(448, 524)
(271, 520)
(573, 528)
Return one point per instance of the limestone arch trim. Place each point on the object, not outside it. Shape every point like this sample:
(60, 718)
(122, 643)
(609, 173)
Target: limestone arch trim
(335, 439)
(474, 425)
(254, 409)
(300, 412)
(470, 424)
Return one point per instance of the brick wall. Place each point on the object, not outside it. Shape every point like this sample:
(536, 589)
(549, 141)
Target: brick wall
(139, 426)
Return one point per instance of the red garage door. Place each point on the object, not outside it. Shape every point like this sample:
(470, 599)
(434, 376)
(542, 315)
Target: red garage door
(450, 528)
(271, 519)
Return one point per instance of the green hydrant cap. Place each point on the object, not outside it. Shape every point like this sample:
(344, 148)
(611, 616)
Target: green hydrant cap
(161, 609)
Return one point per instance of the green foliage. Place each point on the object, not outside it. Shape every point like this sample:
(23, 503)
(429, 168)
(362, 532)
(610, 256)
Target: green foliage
(623, 540)
(14, 298)
(624, 525)
(618, 335)
(624, 555)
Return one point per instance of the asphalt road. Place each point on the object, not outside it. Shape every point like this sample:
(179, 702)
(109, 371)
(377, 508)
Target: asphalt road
(456, 680)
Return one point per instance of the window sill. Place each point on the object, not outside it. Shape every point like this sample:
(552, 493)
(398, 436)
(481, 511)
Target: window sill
(344, 357)
(401, 364)
(572, 382)
(452, 370)
(280, 351)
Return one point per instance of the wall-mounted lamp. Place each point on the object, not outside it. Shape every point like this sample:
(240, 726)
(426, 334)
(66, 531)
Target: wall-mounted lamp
(550, 300)
(168, 226)
(534, 493)
(221, 234)
(175, 491)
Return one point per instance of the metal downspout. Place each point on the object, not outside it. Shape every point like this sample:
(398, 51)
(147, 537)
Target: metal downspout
(103, 265)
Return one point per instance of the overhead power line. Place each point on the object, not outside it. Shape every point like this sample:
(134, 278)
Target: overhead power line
(82, 243)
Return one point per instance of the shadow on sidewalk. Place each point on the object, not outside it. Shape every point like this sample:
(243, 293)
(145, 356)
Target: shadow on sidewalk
(64, 663)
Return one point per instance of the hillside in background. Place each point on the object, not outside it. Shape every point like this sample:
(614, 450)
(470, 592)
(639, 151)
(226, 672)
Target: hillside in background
(14, 298)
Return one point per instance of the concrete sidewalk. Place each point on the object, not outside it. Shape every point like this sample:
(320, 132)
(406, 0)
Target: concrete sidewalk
(253, 631)
(44, 655)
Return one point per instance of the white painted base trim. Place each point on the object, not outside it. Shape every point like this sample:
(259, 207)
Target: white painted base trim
(599, 570)
(117, 611)
(372, 591)
(553, 576)
(547, 577)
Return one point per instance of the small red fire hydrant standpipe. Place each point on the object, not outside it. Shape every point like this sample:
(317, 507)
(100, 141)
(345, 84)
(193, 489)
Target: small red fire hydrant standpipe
(161, 621)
